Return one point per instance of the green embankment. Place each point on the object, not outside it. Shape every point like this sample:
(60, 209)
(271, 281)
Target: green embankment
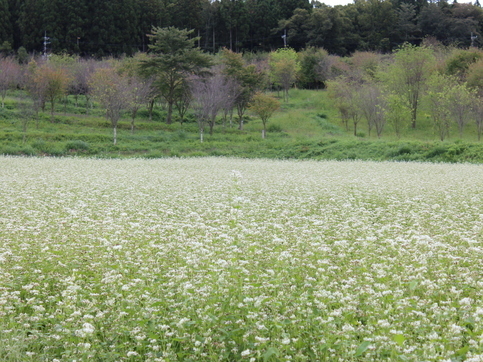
(307, 127)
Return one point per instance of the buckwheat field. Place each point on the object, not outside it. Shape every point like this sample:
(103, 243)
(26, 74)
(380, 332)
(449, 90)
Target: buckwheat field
(219, 259)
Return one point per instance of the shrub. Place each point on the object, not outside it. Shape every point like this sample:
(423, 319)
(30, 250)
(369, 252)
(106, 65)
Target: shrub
(274, 128)
(76, 145)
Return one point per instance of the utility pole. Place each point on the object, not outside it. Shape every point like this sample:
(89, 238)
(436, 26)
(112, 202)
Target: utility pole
(46, 42)
(473, 38)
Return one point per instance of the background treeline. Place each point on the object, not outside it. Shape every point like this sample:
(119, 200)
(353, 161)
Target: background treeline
(114, 27)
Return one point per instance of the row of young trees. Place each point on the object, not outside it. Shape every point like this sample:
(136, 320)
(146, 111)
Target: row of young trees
(379, 88)
(175, 73)
(100, 28)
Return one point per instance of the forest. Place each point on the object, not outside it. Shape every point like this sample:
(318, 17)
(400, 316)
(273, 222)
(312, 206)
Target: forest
(98, 28)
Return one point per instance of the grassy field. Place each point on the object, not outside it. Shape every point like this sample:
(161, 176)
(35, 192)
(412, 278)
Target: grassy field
(221, 259)
(307, 127)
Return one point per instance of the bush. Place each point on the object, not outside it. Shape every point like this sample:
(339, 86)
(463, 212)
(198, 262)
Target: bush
(15, 150)
(76, 146)
(274, 128)
(436, 151)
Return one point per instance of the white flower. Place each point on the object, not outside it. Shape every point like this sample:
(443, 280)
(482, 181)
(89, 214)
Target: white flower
(286, 340)
(245, 353)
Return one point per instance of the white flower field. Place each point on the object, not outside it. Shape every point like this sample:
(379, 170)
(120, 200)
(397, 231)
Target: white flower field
(216, 259)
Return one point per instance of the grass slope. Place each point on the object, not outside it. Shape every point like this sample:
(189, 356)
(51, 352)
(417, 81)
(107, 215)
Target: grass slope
(305, 127)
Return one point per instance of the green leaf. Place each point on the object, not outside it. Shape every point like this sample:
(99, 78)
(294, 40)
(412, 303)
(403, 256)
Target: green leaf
(463, 351)
(399, 339)
(413, 285)
(271, 351)
(362, 348)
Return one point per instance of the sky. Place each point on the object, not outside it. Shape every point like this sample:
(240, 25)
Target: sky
(336, 2)
(345, 2)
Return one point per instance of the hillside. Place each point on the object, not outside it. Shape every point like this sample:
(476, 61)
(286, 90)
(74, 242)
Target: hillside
(306, 127)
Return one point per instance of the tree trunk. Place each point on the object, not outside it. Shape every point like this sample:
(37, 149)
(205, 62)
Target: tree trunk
(52, 110)
(87, 103)
(150, 109)
(115, 134)
(170, 112)
(413, 118)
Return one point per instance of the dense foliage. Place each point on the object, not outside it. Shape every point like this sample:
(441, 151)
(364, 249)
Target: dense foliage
(102, 28)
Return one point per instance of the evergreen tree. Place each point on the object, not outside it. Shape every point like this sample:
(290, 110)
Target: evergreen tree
(264, 16)
(233, 16)
(5, 23)
(173, 60)
(31, 25)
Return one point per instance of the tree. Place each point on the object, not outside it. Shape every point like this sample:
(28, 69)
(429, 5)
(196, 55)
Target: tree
(375, 22)
(25, 113)
(54, 82)
(347, 94)
(172, 60)
(22, 55)
(408, 74)
(294, 29)
(438, 100)
(35, 86)
(474, 76)
(398, 112)
(139, 91)
(460, 60)
(333, 28)
(478, 109)
(183, 101)
(234, 17)
(208, 96)
(233, 92)
(284, 67)
(6, 35)
(263, 106)
(314, 67)
(406, 28)
(247, 77)
(9, 76)
(81, 72)
(113, 93)
(373, 107)
(460, 104)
